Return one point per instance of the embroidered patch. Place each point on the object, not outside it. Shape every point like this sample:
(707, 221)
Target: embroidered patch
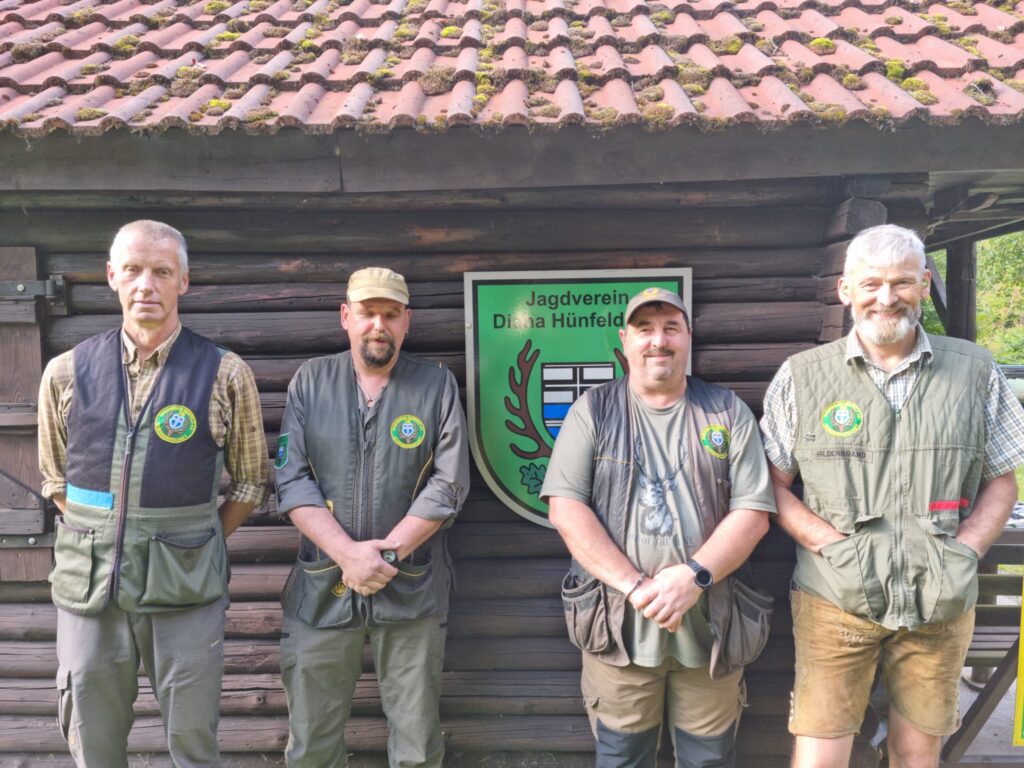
(407, 431)
(281, 458)
(174, 424)
(715, 439)
(842, 419)
(339, 589)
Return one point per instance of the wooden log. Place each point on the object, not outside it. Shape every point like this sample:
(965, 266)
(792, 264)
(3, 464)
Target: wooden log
(269, 297)
(435, 329)
(853, 215)
(435, 231)
(222, 268)
(668, 196)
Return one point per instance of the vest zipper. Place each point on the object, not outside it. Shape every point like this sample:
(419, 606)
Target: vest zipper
(898, 527)
(126, 469)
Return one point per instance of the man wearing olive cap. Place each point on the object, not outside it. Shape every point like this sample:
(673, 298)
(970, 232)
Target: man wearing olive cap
(660, 489)
(372, 465)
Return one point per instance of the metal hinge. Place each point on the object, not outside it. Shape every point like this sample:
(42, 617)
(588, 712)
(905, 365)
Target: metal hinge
(53, 289)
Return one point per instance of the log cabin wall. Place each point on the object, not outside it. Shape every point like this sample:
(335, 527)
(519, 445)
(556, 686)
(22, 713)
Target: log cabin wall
(267, 275)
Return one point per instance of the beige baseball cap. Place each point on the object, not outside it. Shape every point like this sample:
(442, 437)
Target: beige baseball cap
(652, 295)
(377, 283)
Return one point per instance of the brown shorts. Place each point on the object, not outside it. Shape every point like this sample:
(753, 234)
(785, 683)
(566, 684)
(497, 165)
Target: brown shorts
(836, 657)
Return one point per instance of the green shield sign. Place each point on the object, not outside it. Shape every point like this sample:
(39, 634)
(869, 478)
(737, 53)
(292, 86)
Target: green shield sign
(536, 341)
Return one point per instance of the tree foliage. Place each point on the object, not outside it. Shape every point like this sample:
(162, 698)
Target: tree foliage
(1000, 297)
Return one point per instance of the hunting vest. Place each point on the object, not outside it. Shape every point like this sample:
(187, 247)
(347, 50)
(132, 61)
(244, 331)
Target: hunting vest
(898, 483)
(369, 478)
(614, 421)
(141, 527)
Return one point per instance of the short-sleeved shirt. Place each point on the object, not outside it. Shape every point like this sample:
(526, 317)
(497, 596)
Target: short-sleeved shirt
(663, 523)
(1004, 418)
(236, 421)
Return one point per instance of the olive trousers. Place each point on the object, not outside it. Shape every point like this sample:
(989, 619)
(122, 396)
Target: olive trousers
(97, 681)
(320, 668)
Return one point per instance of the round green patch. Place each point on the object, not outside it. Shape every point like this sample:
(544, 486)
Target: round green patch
(715, 439)
(407, 431)
(174, 424)
(842, 419)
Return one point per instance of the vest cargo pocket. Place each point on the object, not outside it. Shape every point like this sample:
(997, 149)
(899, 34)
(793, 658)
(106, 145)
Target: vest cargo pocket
(852, 577)
(324, 601)
(959, 582)
(586, 614)
(749, 624)
(184, 571)
(409, 595)
(72, 569)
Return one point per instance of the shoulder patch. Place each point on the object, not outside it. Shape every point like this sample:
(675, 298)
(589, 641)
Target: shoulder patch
(281, 457)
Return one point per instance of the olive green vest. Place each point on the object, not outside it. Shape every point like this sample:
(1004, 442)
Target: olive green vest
(897, 482)
(141, 527)
(369, 478)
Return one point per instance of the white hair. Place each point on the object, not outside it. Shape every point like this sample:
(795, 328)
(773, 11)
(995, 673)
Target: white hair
(884, 246)
(154, 231)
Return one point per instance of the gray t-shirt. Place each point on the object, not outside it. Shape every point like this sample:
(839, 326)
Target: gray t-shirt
(663, 525)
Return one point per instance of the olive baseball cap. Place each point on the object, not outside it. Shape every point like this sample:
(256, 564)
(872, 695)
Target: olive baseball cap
(377, 283)
(656, 295)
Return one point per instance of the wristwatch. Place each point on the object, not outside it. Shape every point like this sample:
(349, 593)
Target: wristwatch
(701, 575)
(389, 556)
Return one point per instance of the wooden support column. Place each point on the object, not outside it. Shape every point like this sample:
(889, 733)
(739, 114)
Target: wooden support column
(23, 554)
(962, 290)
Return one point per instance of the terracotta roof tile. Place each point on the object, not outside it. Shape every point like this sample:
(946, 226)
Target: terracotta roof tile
(321, 65)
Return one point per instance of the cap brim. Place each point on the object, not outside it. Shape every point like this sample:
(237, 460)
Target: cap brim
(365, 294)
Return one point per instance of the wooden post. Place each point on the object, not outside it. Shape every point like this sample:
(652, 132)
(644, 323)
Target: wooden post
(23, 554)
(962, 289)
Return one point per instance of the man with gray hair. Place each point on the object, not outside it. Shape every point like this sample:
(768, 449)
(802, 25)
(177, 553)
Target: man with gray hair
(906, 444)
(135, 428)
(372, 466)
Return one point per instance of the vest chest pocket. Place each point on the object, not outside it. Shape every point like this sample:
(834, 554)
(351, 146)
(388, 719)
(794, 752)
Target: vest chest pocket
(408, 596)
(72, 570)
(323, 600)
(184, 570)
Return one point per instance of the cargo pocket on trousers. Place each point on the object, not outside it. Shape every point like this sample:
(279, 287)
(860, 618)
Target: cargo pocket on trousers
(586, 614)
(64, 702)
(324, 601)
(72, 568)
(184, 570)
(409, 595)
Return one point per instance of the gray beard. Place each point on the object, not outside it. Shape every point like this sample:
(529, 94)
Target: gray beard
(880, 335)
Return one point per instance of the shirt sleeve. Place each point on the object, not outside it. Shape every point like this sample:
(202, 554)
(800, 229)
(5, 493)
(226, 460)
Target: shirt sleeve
(748, 469)
(446, 488)
(296, 482)
(778, 424)
(245, 444)
(1004, 428)
(54, 405)
(570, 472)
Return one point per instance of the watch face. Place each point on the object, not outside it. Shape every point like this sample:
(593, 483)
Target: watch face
(389, 556)
(703, 578)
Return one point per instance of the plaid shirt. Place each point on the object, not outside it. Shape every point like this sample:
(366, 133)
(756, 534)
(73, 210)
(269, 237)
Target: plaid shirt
(1004, 418)
(236, 421)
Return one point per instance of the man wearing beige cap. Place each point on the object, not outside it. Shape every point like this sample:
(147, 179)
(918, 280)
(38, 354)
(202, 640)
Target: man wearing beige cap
(659, 487)
(372, 466)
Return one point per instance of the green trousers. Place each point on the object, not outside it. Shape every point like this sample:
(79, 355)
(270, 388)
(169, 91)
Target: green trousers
(97, 681)
(320, 668)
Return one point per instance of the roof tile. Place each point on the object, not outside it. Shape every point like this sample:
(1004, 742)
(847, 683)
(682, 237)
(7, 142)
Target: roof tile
(319, 65)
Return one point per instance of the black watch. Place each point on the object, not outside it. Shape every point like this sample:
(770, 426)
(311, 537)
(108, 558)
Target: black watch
(701, 575)
(389, 556)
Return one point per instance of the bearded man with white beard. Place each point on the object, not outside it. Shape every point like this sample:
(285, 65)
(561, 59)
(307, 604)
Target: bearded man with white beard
(906, 445)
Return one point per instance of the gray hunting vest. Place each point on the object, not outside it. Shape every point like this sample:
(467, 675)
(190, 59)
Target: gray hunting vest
(899, 483)
(369, 479)
(596, 618)
(141, 527)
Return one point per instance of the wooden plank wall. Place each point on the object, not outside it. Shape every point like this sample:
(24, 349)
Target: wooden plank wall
(266, 282)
